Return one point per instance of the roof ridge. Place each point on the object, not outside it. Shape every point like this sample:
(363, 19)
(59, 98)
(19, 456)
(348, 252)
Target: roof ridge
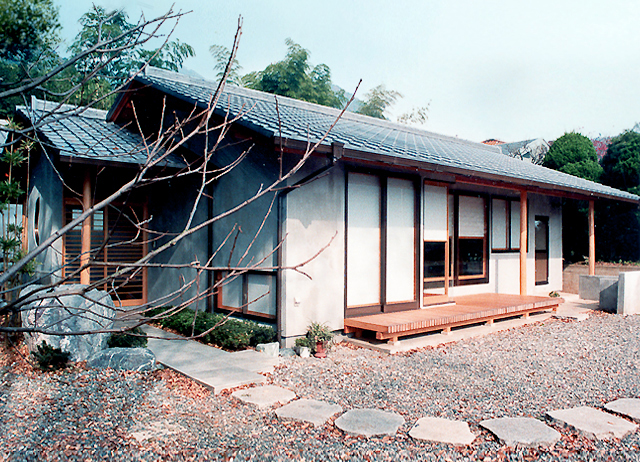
(326, 110)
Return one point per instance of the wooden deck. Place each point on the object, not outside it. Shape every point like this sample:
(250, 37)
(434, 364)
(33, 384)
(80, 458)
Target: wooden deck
(468, 309)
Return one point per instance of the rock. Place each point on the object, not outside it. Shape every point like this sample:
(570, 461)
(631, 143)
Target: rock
(369, 422)
(592, 422)
(442, 431)
(629, 407)
(308, 410)
(287, 352)
(263, 397)
(522, 431)
(123, 359)
(271, 349)
(55, 312)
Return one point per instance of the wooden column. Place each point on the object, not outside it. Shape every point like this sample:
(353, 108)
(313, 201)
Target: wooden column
(592, 239)
(523, 242)
(85, 277)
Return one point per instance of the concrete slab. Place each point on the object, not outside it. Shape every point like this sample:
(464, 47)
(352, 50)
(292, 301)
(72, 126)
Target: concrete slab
(369, 422)
(442, 431)
(629, 407)
(308, 410)
(250, 360)
(592, 422)
(209, 366)
(589, 287)
(521, 431)
(264, 397)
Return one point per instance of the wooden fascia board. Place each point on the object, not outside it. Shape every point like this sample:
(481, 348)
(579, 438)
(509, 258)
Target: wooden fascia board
(479, 178)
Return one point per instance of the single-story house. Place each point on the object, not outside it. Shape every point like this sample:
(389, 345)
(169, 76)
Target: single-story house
(387, 217)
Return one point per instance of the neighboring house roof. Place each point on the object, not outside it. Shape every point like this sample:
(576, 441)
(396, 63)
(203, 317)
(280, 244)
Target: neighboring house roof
(84, 133)
(492, 142)
(367, 138)
(532, 150)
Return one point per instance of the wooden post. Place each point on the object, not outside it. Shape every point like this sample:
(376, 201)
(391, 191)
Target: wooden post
(85, 276)
(592, 239)
(523, 242)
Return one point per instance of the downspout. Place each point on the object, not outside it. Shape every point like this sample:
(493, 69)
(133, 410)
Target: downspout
(337, 150)
(210, 275)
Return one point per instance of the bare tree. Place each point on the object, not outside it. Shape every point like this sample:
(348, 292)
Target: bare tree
(169, 140)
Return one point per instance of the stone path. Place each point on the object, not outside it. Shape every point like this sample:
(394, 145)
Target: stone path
(369, 422)
(212, 367)
(592, 422)
(264, 397)
(442, 431)
(222, 370)
(629, 407)
(309, 410)
(521, 431)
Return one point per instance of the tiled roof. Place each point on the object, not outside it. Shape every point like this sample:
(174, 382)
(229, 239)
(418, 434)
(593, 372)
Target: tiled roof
(304, 121)
(84, 133)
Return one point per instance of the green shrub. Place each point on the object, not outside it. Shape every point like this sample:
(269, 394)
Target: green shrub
(232, 334)
(135, 338)
(50, 358)
(303, 342)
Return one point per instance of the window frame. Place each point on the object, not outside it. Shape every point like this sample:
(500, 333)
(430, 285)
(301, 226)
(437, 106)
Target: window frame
(508, 221)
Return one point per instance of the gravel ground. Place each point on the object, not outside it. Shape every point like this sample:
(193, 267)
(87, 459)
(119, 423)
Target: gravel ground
(84, 415)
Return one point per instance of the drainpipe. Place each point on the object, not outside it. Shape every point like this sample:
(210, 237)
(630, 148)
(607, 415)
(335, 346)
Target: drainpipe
(210, 275)
(337, 150)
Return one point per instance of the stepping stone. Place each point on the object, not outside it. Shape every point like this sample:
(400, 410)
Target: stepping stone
(369, 422)
(308, 410)
(442, 431)
(592, 422)
(629, 407)
(521, 431)
(263, 397)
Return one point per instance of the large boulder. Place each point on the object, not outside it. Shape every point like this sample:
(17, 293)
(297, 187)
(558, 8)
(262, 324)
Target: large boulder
(123, 359)
(57, 314)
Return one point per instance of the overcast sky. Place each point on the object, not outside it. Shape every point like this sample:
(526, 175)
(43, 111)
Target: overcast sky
(503, 69)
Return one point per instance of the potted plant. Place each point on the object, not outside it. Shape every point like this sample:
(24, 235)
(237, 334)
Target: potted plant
(303, 347)
(319, 336)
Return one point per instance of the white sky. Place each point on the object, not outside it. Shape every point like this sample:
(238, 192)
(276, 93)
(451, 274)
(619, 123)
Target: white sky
(504, 69)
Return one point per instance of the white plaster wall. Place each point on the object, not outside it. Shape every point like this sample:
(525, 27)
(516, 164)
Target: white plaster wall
(505, 272)
(314, 214)
(551, 207)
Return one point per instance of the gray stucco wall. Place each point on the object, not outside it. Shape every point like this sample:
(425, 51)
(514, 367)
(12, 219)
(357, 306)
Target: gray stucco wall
(170, 204)
(45, 189)
(257, 171)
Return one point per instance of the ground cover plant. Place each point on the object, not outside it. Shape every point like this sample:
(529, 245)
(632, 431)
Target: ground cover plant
(134, 338)
(214, 328)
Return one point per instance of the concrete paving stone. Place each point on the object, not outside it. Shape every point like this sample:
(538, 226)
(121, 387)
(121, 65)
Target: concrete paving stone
(263, 397)
(442, 431)
(369, 422)
(308, 410)
(629, 407)
(592, 422)
(226, 378)
(250, 360)
(521, 431)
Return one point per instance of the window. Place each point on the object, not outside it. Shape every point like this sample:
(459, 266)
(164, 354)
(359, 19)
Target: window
(505, 225)
(251, 293)
(470, 246)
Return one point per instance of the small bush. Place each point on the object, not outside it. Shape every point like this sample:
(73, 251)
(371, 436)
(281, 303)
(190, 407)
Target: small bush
(232, 334)
(50, 358)
(303, 342)
(135, 338)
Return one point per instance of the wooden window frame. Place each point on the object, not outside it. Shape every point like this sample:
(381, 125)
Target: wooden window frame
(145, 215)
(509, 234)
(463, 280)
(383, 306)
(246, 303)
